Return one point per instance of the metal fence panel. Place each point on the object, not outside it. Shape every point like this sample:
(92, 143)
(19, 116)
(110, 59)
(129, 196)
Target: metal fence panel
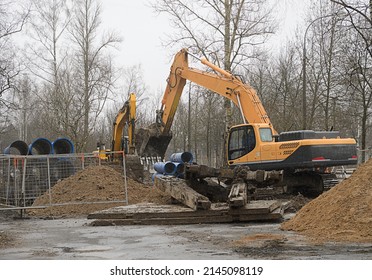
(25, 178)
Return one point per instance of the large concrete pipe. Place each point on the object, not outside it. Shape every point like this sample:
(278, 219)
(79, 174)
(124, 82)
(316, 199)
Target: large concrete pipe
(168, 167)
(40, 146)
(63, 146)
(17, 148)
(181, 157)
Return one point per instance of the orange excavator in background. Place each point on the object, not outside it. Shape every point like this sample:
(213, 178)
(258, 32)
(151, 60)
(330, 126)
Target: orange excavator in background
(125, 144)
(125, 116)
(301, 155)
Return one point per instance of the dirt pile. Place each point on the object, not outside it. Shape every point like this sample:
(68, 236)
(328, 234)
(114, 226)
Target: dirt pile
(343, 213)
(94, 184)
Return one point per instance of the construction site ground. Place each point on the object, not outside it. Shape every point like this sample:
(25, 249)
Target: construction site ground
(73, 239)
(336, 225)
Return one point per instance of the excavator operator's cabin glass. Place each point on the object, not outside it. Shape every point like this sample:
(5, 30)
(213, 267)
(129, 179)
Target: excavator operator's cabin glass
(241, 141)
(266, 134)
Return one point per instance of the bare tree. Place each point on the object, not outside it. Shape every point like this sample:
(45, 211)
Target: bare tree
(322, 37)
(133, 82)
(50, 21)
(13, 17)
(226, 32)
(359, 19)
(94, 70)
(357, 78)
(46, 60)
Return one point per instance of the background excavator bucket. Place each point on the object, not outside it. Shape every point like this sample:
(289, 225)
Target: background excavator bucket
(151, 143)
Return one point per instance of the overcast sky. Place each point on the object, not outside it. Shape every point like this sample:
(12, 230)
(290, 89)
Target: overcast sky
(142, 30)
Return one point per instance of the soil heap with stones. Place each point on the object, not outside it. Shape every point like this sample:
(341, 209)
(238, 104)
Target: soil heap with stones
(94, 184)
(344, 213)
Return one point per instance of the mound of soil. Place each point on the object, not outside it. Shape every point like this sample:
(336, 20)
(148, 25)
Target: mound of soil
(344, 213)
(94, 184)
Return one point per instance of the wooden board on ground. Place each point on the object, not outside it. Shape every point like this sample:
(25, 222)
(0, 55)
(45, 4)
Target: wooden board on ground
(179, 190)
(152, 214)
(238, 195)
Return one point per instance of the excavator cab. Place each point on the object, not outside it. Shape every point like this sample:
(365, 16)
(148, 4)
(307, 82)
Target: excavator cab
(242, 140)
(248, 138)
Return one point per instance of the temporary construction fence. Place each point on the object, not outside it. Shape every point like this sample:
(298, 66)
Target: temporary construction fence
(25, 178)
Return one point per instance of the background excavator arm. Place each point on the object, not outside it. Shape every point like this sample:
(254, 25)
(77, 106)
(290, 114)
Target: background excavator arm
(126, 115)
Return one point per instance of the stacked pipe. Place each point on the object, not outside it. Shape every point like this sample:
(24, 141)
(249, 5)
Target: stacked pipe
(174, 167)
(60, 167)
(40, 146)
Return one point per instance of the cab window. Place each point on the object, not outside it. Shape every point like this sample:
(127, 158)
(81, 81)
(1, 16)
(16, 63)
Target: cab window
(241, 141)
(266, 134)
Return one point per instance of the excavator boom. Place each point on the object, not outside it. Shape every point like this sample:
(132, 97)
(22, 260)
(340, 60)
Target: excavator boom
(155, 139)
(220, 82)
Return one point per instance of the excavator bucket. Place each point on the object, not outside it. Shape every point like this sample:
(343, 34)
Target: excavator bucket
(151, 143)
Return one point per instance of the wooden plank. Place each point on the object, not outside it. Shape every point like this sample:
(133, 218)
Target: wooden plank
(238, 195)
(277, 214)
(152, 214)
(256, 207)
(164, 221)
(151, 210)
(179, 190)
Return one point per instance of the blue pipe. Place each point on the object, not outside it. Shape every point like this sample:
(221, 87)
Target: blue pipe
(165, 167)
(41, 146)
(63, 146)
(18, 147)
(180, 167)
(182, 157)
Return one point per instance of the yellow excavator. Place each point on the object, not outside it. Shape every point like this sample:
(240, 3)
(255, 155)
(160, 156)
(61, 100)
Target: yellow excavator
(125, 116)
(254, 143)
(125, 119)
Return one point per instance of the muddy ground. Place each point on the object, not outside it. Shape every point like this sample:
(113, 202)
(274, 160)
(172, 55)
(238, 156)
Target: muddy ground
(73, 238)
(342, 214)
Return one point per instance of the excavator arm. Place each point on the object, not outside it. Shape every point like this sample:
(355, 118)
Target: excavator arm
(155, 140)
(220, 82)
(126, 116)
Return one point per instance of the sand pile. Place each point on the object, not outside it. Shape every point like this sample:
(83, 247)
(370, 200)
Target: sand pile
(95, 183)
(344, 213)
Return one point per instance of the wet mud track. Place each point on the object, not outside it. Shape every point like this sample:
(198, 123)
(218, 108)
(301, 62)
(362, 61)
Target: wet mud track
(63, 239)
